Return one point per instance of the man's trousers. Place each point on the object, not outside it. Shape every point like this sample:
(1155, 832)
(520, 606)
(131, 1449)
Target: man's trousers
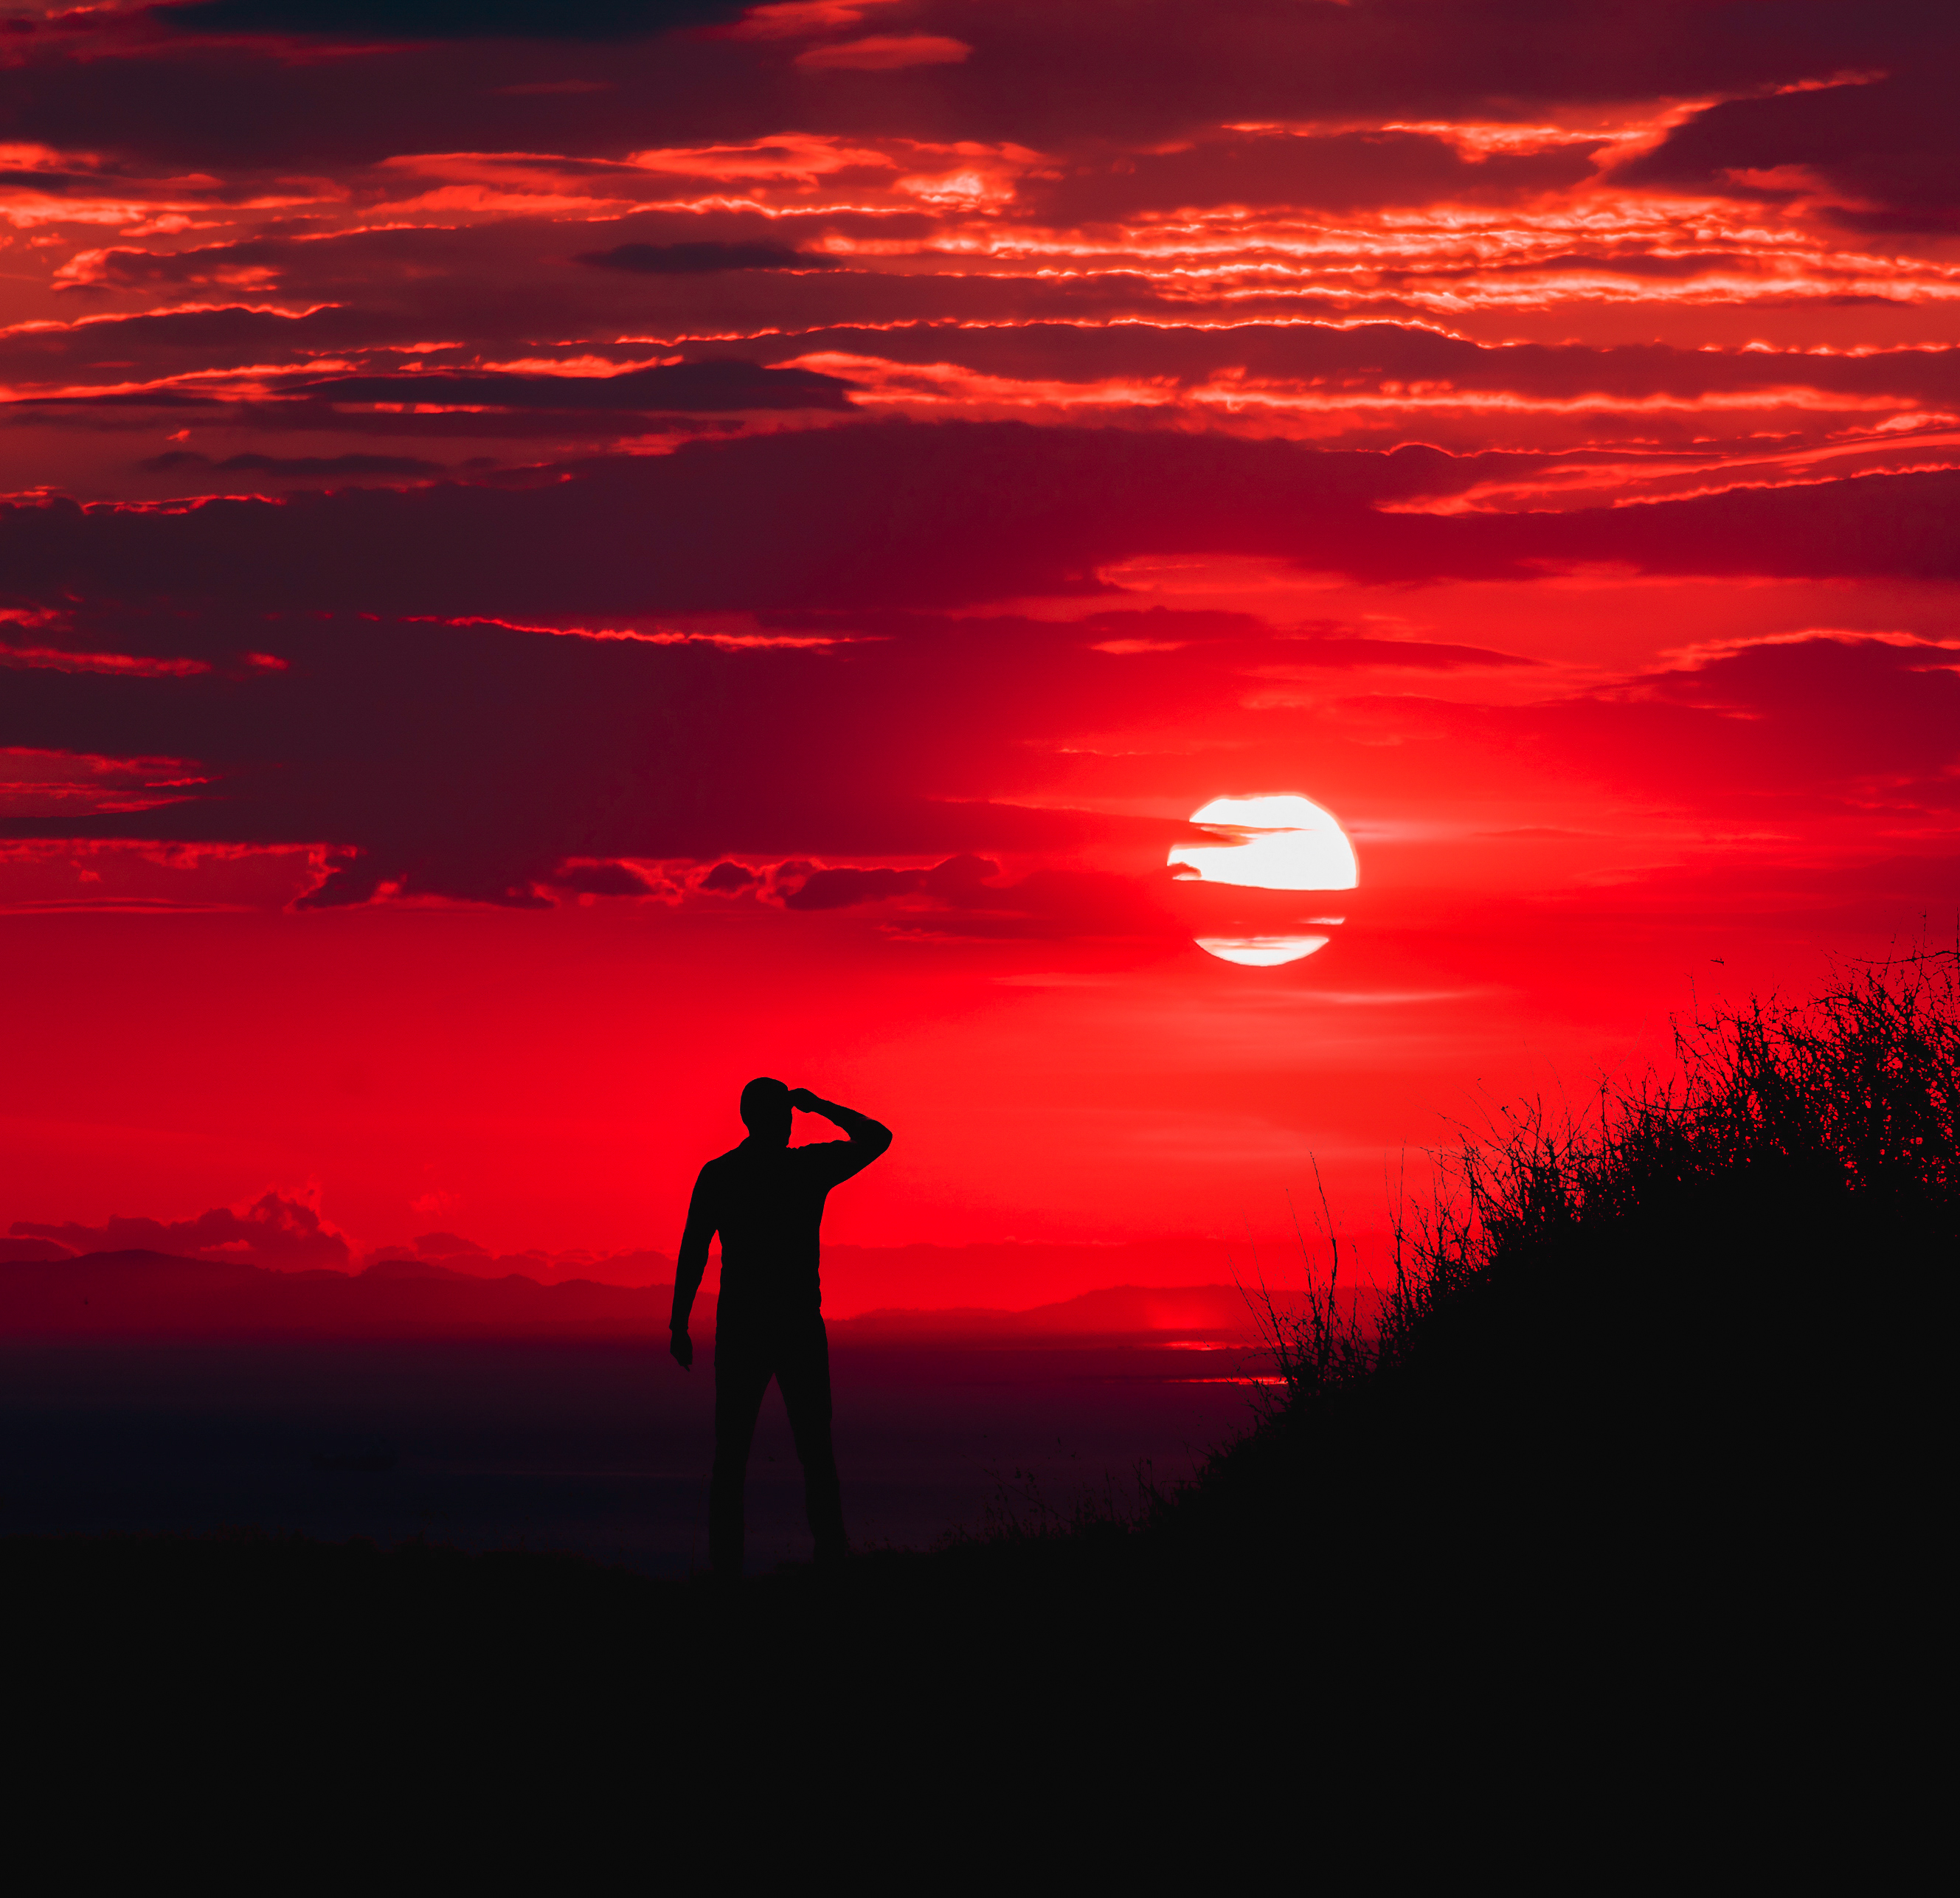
(795, 1354)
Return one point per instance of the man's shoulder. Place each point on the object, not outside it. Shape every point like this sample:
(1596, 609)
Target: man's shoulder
(722, 1163)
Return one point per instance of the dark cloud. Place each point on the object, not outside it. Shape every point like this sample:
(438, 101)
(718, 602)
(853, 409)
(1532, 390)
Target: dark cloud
(1173, 68)
(56, 184)
(701, 259)
(1886, 150)
(448, 277)
(1784, 728)
(1342, 171)
(506, 284)
(123, 267)
(1044, 904)
(491, 763)
(368, 19)
(689, 386)
(601, 879)
(1346, 357)
(278, 1233)
(295, 465)
(1349, 654)
(468, 758)
(1056, 78)
(962, 897)
(487, 763)
(257, 107)
(1858, 708)
(378, 276)
(555, 430)
(170, 341)
(840, 889)
(727, 879)
(871, 515)
(1900, 526)
(1243, 637)
(889, 514)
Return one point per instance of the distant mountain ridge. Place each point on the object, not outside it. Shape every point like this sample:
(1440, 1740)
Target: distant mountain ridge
(156, 1294)
(280, 1233)
(144, 1293)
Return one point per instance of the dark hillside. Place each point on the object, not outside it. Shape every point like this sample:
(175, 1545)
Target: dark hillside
(1688, 1317)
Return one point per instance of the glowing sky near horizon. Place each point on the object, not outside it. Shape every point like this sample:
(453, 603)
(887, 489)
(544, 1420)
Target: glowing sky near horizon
(544, 573)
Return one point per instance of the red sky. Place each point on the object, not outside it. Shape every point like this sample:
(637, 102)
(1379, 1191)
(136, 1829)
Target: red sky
(504, 503)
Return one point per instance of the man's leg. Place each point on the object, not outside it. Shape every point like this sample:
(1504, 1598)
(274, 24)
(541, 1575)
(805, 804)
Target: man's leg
(741, 1373)
(803, 1373)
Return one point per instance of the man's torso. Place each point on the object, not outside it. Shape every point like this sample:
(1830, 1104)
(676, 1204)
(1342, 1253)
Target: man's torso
(768, 1205)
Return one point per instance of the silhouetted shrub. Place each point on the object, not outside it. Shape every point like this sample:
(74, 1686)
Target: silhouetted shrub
(1794, 1127)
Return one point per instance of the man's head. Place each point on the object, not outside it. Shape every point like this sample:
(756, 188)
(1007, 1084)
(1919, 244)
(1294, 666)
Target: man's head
(765, 1112)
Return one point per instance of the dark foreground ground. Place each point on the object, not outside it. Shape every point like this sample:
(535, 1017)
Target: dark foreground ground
(1577, 1599)
(1589, 1590)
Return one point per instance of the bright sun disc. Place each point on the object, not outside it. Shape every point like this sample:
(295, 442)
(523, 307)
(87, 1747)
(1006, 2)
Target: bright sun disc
(1269, 843)
(1260, 952)
(1284, 842)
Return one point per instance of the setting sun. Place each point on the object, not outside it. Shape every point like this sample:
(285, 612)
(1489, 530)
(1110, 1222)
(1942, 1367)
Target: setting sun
(1269, 843)
(1272, 843)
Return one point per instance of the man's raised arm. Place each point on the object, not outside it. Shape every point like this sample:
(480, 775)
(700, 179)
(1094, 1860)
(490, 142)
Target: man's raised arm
(690, 1268)
(869, 1138)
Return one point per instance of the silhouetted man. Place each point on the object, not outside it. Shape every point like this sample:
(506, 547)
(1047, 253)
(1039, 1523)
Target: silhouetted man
(765, 1198)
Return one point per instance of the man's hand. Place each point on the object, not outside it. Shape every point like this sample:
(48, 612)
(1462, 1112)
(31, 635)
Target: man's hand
(801, 1097)
(682, 1346)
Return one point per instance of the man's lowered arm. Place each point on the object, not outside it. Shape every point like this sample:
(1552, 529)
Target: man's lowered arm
(689, 1270)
